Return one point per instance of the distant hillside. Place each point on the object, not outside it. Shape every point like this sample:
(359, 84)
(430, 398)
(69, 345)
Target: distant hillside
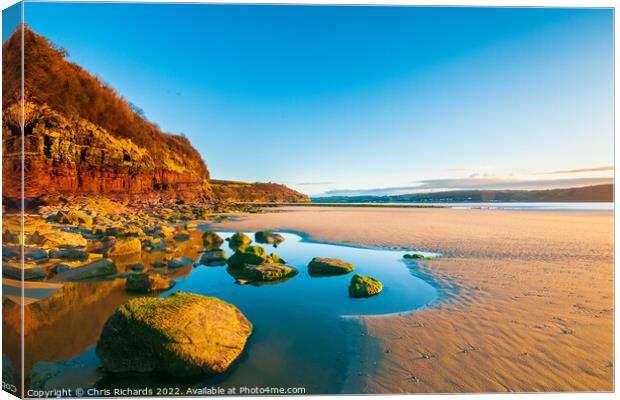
(256, 192)
(597, 193)
(81, 136)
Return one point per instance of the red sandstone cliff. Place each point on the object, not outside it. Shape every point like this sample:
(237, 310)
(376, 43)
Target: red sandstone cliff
(81, 137)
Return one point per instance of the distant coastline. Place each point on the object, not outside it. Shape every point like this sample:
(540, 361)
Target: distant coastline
(587, 194)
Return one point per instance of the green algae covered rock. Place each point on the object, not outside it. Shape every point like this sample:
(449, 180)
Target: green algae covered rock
(239, 241)
(147, 283)
(416, 256)
(181, 335)
(364, 286)
(329, 266)
(252, 255)
(266, 272)
(212, 240)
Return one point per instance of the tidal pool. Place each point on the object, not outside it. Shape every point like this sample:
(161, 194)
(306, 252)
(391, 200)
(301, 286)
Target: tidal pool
(299, 337)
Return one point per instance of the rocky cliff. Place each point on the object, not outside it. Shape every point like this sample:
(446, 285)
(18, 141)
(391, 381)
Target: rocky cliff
(81, 137)
(256, 192)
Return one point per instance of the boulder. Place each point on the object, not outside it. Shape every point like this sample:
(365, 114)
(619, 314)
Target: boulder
(179, 262)
(181, 236)
(69, 254)
(98, 268)
(267, 272)
(211, 257)
(165, 231)
(73, 217)
(329, 266)
(137, 267)
(274, 258)
(239, 241)
(154, 244)
(123, 247)
(416, 256)
(268, 237)
(252, 255)
(364, 286)
(31, 271)
(212, 240)
(181, 335)
(58, 239)
(35, 253)
(147, 283)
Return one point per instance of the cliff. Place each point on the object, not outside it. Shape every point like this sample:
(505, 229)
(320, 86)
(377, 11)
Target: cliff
(82, 137)
(241, 192)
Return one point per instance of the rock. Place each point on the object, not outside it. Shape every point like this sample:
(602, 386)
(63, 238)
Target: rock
(416, 256)
(267, 272)
(268, 237)
(69, 254)
(212, 240)
(329, 266)
(147, 283)
(131, 231)
(58, 268)
(98, 268)
(191, 225)
(11, 252)
(57, 239)
(68, 375)
(73, 217)
(122, 247)
(276, 259)
(239, 241)
(31, 271)
(364, 286)
(213, 257)
(137, 267)
(252, 255)
(165, 231)
(181, 335)
(34, 253)
(179, 262)
(181, 236)
(154, 244)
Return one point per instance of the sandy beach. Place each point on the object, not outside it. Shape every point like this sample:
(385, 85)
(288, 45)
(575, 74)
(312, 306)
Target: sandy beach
(526, 305)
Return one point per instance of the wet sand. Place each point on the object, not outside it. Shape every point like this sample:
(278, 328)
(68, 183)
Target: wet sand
(527, 298)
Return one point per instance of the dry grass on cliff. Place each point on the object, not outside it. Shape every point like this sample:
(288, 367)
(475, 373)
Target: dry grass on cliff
(71, 90)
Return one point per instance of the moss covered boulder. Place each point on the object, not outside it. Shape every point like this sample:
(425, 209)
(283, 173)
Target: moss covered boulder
(267, 272)
(268, 237)
(213, 257)
(147, 283)
(364, 286)
(239, 242)
(181, 335)
(329, 266)
(212, 240)
(251, 255)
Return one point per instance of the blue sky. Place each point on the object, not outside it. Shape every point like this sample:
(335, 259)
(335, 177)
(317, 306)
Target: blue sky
(331, 98)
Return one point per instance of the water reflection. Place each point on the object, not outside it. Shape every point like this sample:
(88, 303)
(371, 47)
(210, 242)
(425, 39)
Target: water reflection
(299, 337)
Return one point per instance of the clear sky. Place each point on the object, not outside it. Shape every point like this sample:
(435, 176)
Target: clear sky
(332, 98)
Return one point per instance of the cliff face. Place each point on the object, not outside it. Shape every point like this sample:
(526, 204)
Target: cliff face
(256, 192)
(81, 137)
(76, 156)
